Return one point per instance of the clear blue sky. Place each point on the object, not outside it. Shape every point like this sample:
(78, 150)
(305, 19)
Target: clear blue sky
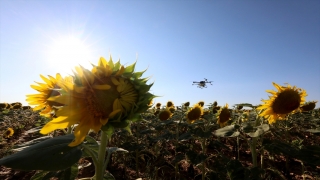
(243, 46)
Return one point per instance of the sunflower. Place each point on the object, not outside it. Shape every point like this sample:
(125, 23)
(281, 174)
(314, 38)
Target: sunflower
(186, 104)
(215, 103)
(8, 133)
(158, 105)
(109, 93)
(169, 104)
(165, 115)
(201, 103)
(223, 116)
(287, 100)
(308, 106)
(194, 113)
(46, 90)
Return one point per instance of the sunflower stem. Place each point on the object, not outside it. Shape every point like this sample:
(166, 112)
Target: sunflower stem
(204, 148)
(99, 167)
(253, 149)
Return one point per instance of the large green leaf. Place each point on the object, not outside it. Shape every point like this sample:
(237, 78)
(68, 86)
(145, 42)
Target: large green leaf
(50, 155)
(259, 130)
(228, 131)
(90, 144)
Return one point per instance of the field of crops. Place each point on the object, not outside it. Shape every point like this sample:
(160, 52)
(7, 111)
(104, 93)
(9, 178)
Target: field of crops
(165, 144)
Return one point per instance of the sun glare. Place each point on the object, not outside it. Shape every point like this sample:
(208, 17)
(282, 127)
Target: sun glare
(67, 52)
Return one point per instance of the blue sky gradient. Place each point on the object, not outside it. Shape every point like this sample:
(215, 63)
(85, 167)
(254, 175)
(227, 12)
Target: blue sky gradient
(243, 46)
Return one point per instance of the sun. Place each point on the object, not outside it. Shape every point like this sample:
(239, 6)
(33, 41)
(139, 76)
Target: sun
(66, 52)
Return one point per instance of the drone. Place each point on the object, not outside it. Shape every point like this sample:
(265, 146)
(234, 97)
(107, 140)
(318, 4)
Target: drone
(202, 84)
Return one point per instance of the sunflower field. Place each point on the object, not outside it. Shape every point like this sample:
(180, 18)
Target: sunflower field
(102, 124)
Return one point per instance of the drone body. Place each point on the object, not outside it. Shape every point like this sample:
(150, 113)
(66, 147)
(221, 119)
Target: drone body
(202, 84)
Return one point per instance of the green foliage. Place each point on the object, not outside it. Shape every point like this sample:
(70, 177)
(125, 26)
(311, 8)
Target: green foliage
(36, 157)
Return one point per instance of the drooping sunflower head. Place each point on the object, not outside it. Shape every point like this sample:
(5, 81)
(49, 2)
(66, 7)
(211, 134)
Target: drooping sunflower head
(186, 104)
(108, 95)
(194, 113)
(165, 114)
(169, 104)
(3, 106)
(215, 109)
(158, 105)
(223, 115)
(172, 109)
(8, 133)
(308, 106)
(46, 90)
(215, 103)
(201, 103)
(282, 102)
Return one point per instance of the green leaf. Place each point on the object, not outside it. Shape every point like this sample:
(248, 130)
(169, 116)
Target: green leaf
(50, 155)
(198, 132)
(130, 68)
(90, 144)
(259, 130)
(39, 175)
(70, 173)
(228, 131)
(108, 176)
(317, 130)
(115, 149)
(22, 146)
(247, 127)
(196, 158)
(235, 170)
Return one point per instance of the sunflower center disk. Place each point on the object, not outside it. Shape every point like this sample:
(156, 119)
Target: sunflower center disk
(286, 102)
(120, 97)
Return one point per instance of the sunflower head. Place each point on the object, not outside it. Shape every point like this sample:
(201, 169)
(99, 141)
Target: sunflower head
(194, 113)
(8, 133)
(186, 104)
(158, 105)
(171, 109)
(107, 96)
(282, 102)
(215, 109)
(308, 106)
(46, 90)
(201, 103)
(169, 104)
(165, 115)
(3, 105)
(16, 105)
(223, 116)
(215, 103)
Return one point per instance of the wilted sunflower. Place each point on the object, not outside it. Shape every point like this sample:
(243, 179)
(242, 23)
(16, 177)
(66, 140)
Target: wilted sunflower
(8, 133)
(158, 105)
(286, 100)
(109, 93)
(165, 115)
(223, 116)
(201, 103)
(47, 90)
(308, 106)
(194, 113)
